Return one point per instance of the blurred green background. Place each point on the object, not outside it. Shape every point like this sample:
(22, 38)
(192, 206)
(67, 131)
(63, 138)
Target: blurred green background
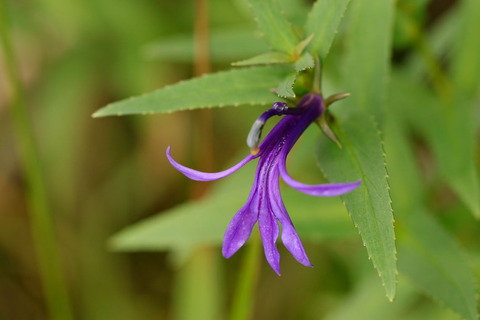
(105, 174)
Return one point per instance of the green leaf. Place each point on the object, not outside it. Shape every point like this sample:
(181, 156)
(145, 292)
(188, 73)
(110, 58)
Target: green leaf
(446, 118)
(368, 54)
(459, 123)
(362, 157)
(304, 62)
(423, 246)
(226, 45)
(203, 222)
(455, 149)
(434, 263)
(445, 127)
(285, 88)
(466, 63)
(300, 47)
(229, 88)
(407, 188)
(265, 58)
(276, 29)
(323, 22)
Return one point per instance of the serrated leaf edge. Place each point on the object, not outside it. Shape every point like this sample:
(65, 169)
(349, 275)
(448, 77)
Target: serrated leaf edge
(390, 295)
(98, 113)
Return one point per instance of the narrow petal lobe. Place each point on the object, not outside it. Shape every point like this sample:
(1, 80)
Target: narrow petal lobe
(206, 176)
(269, 232)
(290, 238)
(238, 231)
(319, 190)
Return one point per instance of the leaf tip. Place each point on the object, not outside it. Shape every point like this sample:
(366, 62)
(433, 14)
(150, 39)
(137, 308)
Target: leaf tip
(98, 114)
(391, 297)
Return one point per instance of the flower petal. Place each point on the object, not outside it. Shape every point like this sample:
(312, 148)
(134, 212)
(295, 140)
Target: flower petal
(269, 232)
(239, 230)
(319, 190)
(290, 238)
(205, 176)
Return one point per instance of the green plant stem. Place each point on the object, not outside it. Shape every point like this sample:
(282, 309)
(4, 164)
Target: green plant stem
(243, 298)
(36, 195)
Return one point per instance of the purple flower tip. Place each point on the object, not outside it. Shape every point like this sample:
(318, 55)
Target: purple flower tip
(264, 204)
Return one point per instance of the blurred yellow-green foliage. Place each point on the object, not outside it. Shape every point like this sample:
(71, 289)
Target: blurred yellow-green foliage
(104, 174)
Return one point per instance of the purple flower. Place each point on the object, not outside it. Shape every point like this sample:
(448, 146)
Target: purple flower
(264, 204)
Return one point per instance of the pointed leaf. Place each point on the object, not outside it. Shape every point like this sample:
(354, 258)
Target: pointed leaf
(323, 22)
(285, 88)
(362, 157)
(367, 62)
(265, 58)
(300, 47)
(229, 88)
(365, 76)
(304, 62)
(276, 29)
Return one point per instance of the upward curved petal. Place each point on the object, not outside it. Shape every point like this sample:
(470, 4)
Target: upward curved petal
(319, 190)
(206, 176)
